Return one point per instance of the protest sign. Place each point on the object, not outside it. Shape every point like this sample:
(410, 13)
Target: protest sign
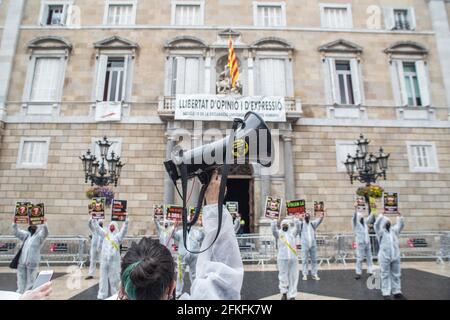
(295, 208)
(119, 210)
(390, 202)
(21, 213)
(273, 207)
(174, 213)
(36, 213)
(97, 208)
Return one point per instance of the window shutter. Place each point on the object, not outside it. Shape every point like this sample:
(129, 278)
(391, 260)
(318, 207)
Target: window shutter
(332, 76)
(126, 68)
(389, 19)
(192, 75)
(45, 14)
(279, 83)
(181, 68)
(357, 85)
(400, 78)
(423, 83)
(101, 77)
(412, 18)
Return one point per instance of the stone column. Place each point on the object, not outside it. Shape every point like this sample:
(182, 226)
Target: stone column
(250, 76)
(439, 18)
(168, 184)
(289, 183)
(8, 46)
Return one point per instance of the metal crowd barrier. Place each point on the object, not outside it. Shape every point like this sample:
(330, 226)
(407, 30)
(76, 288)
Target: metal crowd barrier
(254, 248)
(56, 250)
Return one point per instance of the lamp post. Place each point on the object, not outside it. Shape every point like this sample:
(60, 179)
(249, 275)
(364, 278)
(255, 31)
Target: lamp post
(366, 167)
(369, 167)
(103, 171)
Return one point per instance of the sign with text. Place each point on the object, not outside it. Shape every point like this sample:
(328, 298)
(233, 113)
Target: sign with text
(390, 201)
(191, 215)
(97, 208)
(228, 107)
(273, 207)
(319, 208)
(360, 204)
(174, 213)
(36, 212)
(232, 206)
(158, 210)
(119, 210)
(21, 213)
(295, 208)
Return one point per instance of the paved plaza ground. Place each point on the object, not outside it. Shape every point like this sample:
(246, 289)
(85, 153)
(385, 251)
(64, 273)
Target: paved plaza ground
(420, 280)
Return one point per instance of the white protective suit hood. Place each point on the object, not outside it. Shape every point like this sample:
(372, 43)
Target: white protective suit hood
(116, 228)
(285, 222)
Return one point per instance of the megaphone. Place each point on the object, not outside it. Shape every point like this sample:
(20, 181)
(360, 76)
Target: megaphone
(250, 141)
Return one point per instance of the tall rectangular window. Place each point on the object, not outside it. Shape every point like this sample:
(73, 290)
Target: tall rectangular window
(45, 80)
(273, 77)
(412, 84)
(185, 76)
(344, 76)
(270, 16)
(188, 15)
(402, 19)
(336, 16)
(55, 15)
(114, 80)
(120, 14)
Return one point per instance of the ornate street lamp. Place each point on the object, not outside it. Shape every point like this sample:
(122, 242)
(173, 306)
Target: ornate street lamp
(369, 167)
(96, 171)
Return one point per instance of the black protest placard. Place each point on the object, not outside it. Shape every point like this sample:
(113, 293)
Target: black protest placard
(174, 213)
(390, 202)
(37, 214)
(295, 208)
(21, 213)
(97, 208)
(119, 210)
(273, 207)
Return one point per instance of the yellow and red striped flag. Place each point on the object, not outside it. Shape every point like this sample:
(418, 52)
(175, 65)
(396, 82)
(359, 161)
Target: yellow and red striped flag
(232, 64)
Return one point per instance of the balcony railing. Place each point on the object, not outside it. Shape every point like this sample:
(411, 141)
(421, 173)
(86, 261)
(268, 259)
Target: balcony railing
(166, 107)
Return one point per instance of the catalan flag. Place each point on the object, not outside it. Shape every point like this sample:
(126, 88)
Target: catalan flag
(232, 64)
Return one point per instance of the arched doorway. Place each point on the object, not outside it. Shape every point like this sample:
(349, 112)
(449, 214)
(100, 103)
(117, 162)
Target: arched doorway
(240, 188)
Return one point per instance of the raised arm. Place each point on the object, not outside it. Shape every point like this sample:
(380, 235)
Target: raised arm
(158, 226)
(21, 234)
(274, 228)
(96, 229)
(123, 231)
(178, 235)
(220, 271)
(399, 225)
(316, 223)
(354, 220)
(296, 227)
(237, 224)
(42, 232)
(370, 219)
(379, 224)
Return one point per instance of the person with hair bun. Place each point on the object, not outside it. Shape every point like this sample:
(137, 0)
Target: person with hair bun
(148, 269)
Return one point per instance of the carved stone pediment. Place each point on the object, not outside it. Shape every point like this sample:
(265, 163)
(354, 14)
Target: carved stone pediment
(341, 46)
(115, 42)
(407, 47)
(185, 42)
(272, 43)
(49, 43)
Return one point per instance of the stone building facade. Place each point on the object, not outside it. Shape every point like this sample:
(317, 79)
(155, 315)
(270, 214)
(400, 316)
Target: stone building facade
(345, 67)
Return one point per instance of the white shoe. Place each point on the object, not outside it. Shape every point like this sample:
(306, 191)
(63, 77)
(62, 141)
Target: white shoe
(316, 278)
(305, 278)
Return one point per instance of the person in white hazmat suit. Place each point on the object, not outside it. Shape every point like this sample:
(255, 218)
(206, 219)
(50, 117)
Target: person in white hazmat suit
(110, 256)
(185, 258)
(165, 233)
(95, 252)
(30, 258)
(220, 271)
(287, 259)
(389, 255)
(307, 233)
(362, 238)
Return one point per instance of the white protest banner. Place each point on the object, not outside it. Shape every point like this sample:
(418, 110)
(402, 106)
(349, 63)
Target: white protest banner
(108, 111)
(226, 108)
